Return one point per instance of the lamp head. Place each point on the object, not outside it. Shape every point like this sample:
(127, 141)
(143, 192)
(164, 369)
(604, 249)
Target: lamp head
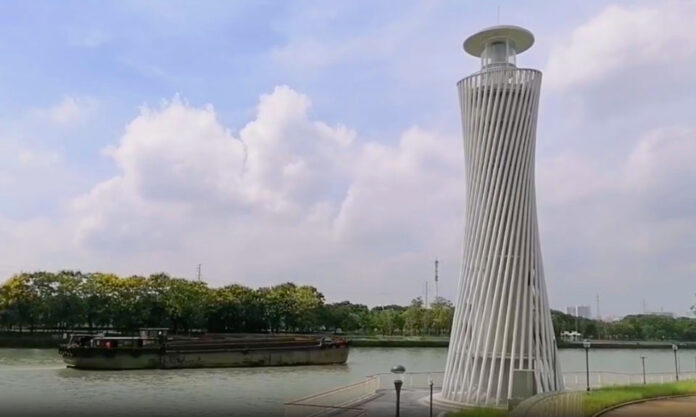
(499, 45)
(398, 369)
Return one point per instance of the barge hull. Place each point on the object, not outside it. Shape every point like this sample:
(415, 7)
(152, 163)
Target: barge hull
(270, 357)
(206, 359)
(120, 361)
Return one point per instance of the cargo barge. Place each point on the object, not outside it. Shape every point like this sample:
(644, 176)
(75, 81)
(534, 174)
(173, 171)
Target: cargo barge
(154, 349)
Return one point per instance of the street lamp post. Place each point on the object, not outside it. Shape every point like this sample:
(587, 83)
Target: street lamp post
(398, 382)
(430, 383)
(586, 344)
(675, 348)
(642, 358)
(397, 386)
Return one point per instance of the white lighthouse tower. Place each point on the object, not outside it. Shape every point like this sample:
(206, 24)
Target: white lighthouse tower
(502, 321)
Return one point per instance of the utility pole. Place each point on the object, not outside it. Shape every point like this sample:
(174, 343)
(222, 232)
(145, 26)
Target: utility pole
(437, 294)
(199, 272)
(426, 294)
(599, 320)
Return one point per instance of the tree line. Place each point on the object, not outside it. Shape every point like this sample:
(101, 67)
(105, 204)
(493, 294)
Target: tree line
(72, 299)
(633, 327)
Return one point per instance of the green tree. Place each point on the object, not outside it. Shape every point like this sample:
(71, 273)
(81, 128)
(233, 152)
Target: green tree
(20, 302)
(67, 305)
(389, 319)
(346, 316)
(413, 317)
(443, 314)
(99, 293)
(307, 307)
(235, 308)
(186, 303)
(130, 307)
(279, 306)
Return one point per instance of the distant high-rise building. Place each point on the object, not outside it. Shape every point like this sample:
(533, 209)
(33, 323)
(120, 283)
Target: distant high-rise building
(585, 312)
(579, 311)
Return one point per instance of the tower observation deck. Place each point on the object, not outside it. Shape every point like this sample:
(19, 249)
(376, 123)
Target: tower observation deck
(502, 321)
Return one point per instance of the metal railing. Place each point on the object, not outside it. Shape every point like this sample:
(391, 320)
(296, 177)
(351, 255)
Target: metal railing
(578, 380)
(411, 380)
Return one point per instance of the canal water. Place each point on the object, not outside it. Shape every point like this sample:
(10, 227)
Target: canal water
(34, 382)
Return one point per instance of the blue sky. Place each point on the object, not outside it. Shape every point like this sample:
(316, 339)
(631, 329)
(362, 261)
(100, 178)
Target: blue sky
(121, 123)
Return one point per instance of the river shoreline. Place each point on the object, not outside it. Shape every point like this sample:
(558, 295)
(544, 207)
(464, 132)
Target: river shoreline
(52, 340)
(439, 342)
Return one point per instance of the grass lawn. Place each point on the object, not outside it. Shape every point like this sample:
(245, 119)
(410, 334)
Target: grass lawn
(480, 412)
(602, 398)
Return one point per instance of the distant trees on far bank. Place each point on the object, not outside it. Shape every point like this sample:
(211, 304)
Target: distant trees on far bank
(632, 327)
(72, 299)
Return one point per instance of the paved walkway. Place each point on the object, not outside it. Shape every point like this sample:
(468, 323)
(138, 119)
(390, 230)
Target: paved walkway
(672, 407)
(412, 404)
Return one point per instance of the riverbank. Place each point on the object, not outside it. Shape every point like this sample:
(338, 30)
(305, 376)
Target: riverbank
(627, 344)
(52, 340)
(398, 341)
(443, 341)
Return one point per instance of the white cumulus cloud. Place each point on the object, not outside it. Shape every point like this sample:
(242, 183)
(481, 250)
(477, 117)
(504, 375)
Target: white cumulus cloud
(288, 197)
(71, 110)
(657, 35)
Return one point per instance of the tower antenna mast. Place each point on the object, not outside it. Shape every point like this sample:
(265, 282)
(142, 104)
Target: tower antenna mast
(199, 272)
(437, 294)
